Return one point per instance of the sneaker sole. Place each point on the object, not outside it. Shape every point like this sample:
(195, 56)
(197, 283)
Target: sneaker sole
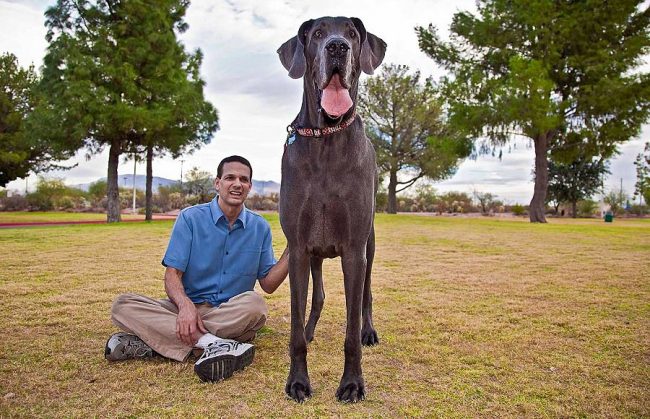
(224, 367)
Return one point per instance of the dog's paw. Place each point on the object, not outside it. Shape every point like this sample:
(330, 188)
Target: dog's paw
(298, 390)
(351, 391)
(369, 337)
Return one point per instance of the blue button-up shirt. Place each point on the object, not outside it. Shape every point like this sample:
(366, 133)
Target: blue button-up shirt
(217, 262)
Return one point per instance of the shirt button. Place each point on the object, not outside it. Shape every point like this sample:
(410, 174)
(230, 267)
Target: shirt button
(226, 252)
(224, 272)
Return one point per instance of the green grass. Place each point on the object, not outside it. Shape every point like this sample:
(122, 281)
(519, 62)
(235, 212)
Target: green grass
(476, 317)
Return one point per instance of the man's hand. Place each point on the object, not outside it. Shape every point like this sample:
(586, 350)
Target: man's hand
(189, 326)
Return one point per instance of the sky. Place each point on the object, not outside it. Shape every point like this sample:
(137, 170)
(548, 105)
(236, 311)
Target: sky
(256, 99)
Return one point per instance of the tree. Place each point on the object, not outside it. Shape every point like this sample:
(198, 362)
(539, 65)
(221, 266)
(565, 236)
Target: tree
(616, 199)
(576, 180)
(642, 185)
(115, 76)
(199, 185)
(19, 152)
(404, 121)
(546, 70)
(486, 201)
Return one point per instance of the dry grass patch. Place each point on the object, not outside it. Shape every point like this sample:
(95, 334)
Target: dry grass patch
(42, 217)
(476, 317)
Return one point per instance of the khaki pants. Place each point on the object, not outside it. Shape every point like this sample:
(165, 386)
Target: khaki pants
(154, 321)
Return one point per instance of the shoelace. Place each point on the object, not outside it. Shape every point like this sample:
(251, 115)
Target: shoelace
(216, 347)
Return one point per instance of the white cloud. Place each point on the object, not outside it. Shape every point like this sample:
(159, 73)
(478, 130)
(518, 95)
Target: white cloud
(255, 97)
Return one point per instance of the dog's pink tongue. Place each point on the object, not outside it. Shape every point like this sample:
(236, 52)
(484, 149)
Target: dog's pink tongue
(336, 99)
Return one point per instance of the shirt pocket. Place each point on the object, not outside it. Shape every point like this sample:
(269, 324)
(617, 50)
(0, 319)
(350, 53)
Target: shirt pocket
(249, 261)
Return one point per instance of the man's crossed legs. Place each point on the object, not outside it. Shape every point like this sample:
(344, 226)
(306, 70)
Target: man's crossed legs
(150, 325)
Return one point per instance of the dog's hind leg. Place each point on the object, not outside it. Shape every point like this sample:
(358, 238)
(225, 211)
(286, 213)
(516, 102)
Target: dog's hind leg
(317, 296)
(368, 332)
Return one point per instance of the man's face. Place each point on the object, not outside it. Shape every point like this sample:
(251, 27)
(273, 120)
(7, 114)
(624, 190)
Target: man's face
(234, 184)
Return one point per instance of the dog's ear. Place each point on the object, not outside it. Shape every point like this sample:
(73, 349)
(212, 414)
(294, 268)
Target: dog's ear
(373, 48)
(292, 52)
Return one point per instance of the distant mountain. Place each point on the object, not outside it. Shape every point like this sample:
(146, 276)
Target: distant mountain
(265, 187)
(126, 181)
(260, 187)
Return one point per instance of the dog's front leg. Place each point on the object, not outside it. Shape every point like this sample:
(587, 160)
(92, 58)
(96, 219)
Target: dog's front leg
(298, 387)
(352, 387)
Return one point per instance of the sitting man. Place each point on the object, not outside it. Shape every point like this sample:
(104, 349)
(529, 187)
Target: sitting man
(215, 254)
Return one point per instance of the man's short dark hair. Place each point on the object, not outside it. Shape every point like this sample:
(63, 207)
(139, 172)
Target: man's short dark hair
(238, 159)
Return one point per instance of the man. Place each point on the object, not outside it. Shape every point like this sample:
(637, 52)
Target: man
(215, 254)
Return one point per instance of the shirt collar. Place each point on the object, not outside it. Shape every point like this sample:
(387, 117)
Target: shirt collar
(217, 213)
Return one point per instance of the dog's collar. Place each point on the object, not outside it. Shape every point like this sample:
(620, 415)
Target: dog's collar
(293, 128)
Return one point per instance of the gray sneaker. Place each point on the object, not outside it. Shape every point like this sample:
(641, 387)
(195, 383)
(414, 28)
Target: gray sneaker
(121, 346)
(221, 359)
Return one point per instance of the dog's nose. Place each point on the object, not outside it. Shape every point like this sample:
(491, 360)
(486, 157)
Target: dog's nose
(337, 48)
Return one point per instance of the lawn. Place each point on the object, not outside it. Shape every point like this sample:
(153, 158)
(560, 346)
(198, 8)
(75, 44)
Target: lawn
(41, 217)
(476, 317)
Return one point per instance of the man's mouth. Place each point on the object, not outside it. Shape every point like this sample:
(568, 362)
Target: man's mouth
(236, 193)
(335, 99)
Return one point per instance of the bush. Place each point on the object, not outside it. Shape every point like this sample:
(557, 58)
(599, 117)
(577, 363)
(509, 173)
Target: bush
(14, 203)
(518, 209)
(587, 208)
(639, 210)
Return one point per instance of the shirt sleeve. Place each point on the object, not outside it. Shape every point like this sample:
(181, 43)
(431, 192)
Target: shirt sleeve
(180, 245)
(267, 259)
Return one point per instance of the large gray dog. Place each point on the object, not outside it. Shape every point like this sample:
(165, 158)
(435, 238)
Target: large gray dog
(327, 198)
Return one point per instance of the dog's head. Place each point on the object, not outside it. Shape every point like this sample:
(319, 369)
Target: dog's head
(331, 52)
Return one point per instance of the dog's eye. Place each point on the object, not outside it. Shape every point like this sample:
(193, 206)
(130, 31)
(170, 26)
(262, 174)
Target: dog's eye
(353, 34)
(318, 34)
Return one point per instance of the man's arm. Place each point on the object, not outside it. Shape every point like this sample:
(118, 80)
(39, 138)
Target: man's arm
(189, 327)
(277, 274)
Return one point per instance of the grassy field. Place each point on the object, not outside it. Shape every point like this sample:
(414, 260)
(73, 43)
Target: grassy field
(476, 317)
(41, 217)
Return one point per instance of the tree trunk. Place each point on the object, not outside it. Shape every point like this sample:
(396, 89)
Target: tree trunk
(113, 193)
(574, 209)
(148, 210)
(392, 198)
(538, 203)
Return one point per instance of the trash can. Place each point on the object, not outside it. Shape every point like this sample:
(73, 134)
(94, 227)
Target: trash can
(609, 217)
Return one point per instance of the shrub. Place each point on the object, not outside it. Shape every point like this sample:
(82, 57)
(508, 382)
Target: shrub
(587, 208)
(13, 203)
(518, 209)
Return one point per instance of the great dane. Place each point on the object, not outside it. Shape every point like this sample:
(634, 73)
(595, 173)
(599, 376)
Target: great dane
(327, 197)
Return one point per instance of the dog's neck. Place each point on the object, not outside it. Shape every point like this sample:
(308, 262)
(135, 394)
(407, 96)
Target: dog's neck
(313, 116)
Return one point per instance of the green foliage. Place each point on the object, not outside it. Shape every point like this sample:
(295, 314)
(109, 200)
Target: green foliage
(576, 180)
(552, 71)
(518, 210)
(616, 199)
(53, 194)
(586, 208)
(20, 152)
(642, 185)
(97, 192)
(115, 76)
(404, 121)
(199, 186)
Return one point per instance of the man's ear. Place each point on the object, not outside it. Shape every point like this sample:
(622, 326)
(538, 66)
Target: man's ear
(373, 48)
(292, 52)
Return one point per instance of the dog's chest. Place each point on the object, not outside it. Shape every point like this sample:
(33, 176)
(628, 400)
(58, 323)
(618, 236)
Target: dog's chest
(327, 194)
